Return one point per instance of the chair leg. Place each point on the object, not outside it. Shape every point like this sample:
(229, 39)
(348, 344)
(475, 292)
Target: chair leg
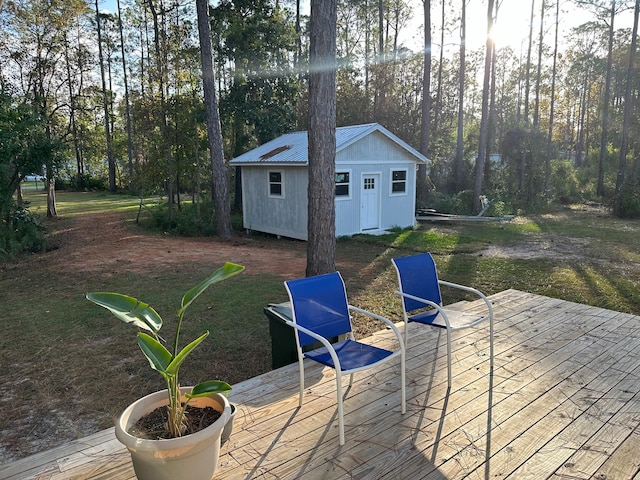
(340, 409)
(491, 344)
(449, 357)
(351, 379)
(406, 333)
(301, 368)
(403, 387)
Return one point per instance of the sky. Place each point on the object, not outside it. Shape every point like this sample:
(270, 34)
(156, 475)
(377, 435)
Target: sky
(512, 27)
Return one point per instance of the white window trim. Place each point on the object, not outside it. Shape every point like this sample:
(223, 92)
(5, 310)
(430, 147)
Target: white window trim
(282, 190)
(406, 182)
(344, 197)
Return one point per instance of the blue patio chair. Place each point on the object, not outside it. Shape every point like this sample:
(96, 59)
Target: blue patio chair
(320, 312)
(422, 302)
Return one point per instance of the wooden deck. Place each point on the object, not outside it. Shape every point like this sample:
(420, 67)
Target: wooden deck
(563, 402)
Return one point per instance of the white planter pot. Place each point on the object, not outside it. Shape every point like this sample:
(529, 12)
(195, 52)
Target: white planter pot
(193, 456)
(228, 428)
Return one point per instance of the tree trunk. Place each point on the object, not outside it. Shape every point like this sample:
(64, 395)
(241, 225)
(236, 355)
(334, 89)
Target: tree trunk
(421, 183)
(624, 143)
(161, 62)
(72, 115)
(105, 107)
(547, 166)
(527, 73)
(381, 69)
(581, 122)
(214, 131)
(126, 98)
(436, 110)
(484, 121)
(458, 172)
(536, 108)
(321, 223)
(491, 133)
(605, 107)
(50, 184)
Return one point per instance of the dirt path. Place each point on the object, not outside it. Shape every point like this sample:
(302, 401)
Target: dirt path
(106, 243)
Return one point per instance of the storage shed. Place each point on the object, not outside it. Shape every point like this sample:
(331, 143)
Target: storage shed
(375, 183)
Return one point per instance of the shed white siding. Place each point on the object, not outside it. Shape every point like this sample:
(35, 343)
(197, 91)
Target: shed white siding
(368, 153)
(285, 215)
(375, 154)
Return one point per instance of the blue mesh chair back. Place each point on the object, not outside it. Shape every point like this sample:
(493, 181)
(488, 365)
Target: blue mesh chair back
(320, 304)
(418, 276)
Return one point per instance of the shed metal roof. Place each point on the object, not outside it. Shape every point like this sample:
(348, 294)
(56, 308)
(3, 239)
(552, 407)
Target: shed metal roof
(292, 148)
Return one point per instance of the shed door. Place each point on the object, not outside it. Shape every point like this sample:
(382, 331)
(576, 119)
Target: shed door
(370, 202)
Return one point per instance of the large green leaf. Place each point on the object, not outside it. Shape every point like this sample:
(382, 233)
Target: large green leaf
(159, 357)
(227, 270)
(174, 366)
(128, 309)
(207, 388)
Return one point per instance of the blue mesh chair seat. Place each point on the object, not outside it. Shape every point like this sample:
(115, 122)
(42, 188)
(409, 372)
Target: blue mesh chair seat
(422, 301)
(320, 311)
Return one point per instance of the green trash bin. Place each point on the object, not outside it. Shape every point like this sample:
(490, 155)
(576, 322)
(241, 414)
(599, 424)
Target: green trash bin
(283, 340)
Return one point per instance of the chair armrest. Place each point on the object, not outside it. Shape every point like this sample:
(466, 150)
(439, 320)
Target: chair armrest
(473, 291)
(325, 343)
(385, 320)
(427, 303)
(311, 333)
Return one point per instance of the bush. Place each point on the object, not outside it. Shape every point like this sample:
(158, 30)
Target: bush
(85, 183)
(20, 231)
(628, 205)
(185, 221)
(460, 203)
(565, 186)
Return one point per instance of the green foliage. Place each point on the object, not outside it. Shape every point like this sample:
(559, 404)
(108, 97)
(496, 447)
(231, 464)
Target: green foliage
(186, 220)
(82, 183)
(167, 364)
(20, 231)
(260, 103)
(24, 145)
(523, 172)
(460, 203)
(565, 186)
(628, 205)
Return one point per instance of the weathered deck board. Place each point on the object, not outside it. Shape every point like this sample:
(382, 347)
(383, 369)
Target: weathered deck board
(563, 402)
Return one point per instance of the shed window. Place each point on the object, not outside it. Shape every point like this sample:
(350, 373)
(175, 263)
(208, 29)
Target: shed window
(399, 181)
(275, 184)
(342, 184)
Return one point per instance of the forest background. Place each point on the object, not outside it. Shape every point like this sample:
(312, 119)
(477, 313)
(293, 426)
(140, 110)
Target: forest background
(112, 99)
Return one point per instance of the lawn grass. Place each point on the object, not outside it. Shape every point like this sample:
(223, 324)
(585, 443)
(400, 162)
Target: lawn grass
(63, 355)
(77, 203)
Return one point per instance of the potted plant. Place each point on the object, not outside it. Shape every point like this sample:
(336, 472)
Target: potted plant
(172, 453)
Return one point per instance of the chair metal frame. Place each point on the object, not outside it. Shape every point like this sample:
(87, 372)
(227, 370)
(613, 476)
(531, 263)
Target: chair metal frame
(333, 305)
(420, 289)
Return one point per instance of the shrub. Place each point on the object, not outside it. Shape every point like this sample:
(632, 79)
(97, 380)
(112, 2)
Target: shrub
(20, 231)
(628, 204)
(565, 186)
(185, 222)
(460, 203)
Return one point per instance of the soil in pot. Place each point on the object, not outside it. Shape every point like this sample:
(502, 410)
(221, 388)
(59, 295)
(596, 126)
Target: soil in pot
(153, 425)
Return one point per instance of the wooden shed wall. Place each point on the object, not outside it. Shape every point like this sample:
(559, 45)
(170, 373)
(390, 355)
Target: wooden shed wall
(287, 216)
(376, 154)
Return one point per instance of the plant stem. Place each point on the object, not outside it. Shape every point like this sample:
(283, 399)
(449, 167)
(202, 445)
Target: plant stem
(177, 337)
